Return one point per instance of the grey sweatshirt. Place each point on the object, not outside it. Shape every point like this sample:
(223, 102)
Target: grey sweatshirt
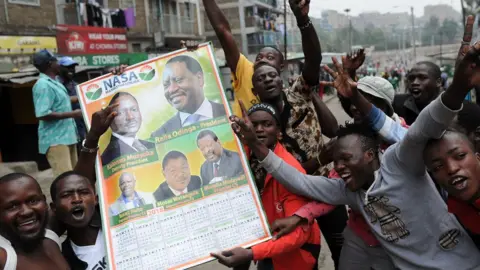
(402, 207)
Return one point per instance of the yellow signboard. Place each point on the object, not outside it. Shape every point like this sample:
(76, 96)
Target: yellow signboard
(26, 45)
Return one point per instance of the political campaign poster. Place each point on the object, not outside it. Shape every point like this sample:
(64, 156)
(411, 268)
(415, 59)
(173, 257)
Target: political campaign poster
(173, 180)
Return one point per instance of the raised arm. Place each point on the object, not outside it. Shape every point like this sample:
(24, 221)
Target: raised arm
(224, 33)
(318, 188)
(101, 120)
(310, 43)
(315, 187)
(311, 70)
(389, 130)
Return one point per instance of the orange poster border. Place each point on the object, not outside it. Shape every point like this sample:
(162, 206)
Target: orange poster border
(100, 175)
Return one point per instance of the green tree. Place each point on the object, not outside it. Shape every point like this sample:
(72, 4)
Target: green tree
(449, 31)
(431, 29)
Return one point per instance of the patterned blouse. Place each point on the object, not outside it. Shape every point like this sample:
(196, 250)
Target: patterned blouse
(301, 131)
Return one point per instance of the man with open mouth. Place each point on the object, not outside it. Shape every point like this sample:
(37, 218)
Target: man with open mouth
(423, 85)
(75, 204)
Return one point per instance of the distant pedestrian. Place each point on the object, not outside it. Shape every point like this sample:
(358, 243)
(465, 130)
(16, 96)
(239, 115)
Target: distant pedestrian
(66, 77)
(57, 132)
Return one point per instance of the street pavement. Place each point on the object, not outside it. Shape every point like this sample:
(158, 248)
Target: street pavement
(325, 261)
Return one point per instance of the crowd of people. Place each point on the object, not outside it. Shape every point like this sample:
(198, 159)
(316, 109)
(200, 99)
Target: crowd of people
(405, 166)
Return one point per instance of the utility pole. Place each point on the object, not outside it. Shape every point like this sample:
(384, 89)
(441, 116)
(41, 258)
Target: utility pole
(441, 42)
(413, 36)
(349, 29)
(285, 28)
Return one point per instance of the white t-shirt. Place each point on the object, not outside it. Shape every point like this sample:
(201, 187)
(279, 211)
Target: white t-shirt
(94, 255)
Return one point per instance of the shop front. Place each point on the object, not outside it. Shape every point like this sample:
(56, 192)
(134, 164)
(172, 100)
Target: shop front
(18, 141)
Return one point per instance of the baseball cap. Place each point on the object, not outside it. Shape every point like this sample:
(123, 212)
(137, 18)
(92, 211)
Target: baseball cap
(377, 87)
(42, 58)
(67, 61)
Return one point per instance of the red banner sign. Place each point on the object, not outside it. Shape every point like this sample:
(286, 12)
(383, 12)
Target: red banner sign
(73, 39)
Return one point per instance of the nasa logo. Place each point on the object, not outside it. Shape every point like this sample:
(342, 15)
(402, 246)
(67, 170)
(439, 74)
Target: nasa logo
(94, 92)
(146, 73)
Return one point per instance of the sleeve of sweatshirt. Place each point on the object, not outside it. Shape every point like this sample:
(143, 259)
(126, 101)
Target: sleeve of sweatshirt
(319, 188)
(388, 129)
(289, 242)
(313, 210)
(430, 124)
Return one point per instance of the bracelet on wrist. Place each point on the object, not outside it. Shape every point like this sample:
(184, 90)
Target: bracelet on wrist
(88, 150)
(305, 25)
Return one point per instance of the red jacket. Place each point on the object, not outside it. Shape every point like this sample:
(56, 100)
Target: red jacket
(288, 252)
(467, 213)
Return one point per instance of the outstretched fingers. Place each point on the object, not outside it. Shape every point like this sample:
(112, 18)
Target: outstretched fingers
(337, 64)
(325, 83)
(330, 71)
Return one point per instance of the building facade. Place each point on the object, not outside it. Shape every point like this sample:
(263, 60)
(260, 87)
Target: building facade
(96, 33)
(254, 24)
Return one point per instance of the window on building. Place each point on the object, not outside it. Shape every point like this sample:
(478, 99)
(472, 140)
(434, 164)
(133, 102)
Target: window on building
(128, 4)
(25, 2)
(136, 47)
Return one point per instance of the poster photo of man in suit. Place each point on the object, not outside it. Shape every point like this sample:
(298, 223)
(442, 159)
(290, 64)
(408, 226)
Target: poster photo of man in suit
(178, 179)
(124, 129)
(220, 163)
(130, 198)
(183, 84)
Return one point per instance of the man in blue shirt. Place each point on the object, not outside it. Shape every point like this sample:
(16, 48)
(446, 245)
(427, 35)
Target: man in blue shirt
(67, 73)
(57, 132)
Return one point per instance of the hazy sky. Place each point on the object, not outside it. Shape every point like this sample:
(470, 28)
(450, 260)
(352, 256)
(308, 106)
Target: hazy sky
(383, 6)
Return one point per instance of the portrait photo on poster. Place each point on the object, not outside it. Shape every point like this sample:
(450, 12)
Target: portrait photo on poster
(130, 197)
(220, 163)
(178, 178)
(184, 89)
(125, 126)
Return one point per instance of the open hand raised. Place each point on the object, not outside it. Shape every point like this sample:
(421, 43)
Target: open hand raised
(467, 71)
(341, 79)
(354, 60)
(101, 120)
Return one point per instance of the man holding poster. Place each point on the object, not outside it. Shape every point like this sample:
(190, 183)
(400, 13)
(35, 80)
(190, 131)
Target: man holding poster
(183, 82)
